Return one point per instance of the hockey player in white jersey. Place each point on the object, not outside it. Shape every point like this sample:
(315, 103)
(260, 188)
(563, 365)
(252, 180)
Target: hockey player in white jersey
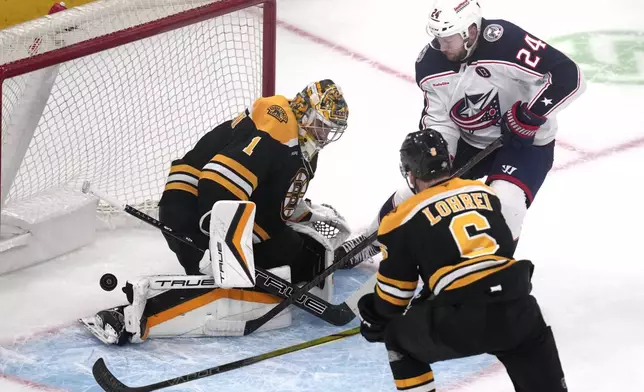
(484, 78)
(481, 79)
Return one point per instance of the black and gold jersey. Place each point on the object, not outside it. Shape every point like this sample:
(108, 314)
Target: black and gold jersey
(254, 157)
(451, 235)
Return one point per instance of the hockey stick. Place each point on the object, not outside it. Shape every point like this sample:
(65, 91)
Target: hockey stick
(339, 314)
(253, 325)
(477, 158)
(110, 383)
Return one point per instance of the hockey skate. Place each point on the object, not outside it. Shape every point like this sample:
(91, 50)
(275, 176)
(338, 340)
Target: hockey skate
(108, 326)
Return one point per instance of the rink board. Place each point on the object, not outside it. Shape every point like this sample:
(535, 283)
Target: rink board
(63, 359)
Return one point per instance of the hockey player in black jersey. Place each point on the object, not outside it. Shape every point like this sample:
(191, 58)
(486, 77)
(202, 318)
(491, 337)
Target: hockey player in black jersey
(482, 78)
(476, 297)
(267, 155)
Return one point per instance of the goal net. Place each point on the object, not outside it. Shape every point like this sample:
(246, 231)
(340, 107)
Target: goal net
(111, 92)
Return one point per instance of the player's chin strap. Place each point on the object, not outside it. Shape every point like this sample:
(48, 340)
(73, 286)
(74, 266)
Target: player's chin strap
(469, 50)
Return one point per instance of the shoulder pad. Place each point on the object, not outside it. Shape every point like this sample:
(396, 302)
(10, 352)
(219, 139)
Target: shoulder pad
(421, 55)
(412, 206)
(274, 116)
(432, 62)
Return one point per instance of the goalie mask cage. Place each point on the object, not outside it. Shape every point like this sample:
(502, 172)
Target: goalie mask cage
(111, 92)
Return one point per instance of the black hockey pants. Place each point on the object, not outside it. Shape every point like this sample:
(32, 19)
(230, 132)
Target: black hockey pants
(514, 331)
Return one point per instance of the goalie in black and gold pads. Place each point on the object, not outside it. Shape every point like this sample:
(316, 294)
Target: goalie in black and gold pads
(476, 297)
(268, 155)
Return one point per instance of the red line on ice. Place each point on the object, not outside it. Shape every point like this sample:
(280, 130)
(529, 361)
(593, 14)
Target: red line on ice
(30, 384)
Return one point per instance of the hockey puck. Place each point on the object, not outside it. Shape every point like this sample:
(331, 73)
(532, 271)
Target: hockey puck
(108, 282)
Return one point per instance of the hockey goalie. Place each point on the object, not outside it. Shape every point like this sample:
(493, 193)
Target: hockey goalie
(239, 192)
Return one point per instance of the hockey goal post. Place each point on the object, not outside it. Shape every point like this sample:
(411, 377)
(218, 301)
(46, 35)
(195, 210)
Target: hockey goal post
(111, 92)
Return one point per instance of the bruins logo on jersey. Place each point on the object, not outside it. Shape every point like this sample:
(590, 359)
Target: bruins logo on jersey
(278, 112)
(295, 193)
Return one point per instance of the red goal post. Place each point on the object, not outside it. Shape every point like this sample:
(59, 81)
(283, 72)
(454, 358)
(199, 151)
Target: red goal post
(111, 92)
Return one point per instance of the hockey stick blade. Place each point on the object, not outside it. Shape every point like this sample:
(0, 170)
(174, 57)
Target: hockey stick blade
(110, 383)
(334, 314)
(253, 325)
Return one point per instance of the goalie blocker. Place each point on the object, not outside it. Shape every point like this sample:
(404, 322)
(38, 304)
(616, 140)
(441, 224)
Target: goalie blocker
(220, 302)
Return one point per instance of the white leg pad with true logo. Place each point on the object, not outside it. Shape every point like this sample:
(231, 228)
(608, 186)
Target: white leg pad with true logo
(133, 313)
(219, 312)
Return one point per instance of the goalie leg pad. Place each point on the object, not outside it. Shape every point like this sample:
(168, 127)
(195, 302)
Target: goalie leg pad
(137, 293)
(212, 312)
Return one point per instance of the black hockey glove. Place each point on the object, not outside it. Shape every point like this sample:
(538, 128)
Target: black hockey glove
(519, 125)
(358, 258)
(372, 325)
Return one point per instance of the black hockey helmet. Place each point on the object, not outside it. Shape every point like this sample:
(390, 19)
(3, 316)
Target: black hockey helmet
(424, 154)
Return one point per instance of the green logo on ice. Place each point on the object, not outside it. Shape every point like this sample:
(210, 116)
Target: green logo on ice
(606, 56)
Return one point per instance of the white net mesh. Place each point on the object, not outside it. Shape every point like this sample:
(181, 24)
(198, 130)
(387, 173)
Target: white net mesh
(119, 117)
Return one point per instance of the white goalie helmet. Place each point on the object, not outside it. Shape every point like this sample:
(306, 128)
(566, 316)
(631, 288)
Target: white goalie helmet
(448, 18)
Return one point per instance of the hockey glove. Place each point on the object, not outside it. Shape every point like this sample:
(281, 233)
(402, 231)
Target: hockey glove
(372, 325)
(361, 256)
(305, 211)
(520, 125)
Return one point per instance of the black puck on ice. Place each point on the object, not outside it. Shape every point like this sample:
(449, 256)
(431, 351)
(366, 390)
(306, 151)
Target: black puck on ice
(108, 282)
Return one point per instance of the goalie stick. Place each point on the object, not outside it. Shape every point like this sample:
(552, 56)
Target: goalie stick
(339, 314)
(253, 325)
(110, 383)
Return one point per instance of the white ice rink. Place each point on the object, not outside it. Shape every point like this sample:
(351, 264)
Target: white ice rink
(581, 232)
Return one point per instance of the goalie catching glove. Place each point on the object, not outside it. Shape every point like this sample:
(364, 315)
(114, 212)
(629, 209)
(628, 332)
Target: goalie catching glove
(305, 211)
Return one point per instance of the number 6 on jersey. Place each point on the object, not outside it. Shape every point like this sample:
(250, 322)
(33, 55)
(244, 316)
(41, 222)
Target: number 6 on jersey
(476, 245)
